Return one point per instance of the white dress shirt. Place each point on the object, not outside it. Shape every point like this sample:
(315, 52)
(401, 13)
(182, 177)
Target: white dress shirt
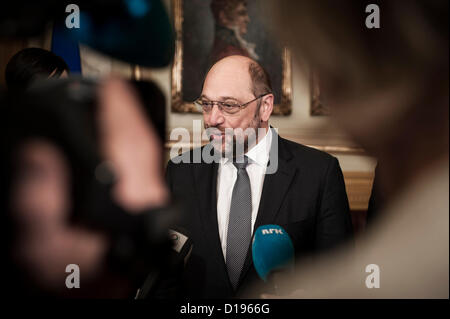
(258, 157)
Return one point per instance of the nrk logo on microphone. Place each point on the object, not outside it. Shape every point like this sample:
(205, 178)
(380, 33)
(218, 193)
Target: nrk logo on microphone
(278, 231)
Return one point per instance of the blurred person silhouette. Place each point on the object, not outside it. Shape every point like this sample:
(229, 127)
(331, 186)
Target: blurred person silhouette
(388, 89)
(110, 154)
(29, 64)
(40, 198)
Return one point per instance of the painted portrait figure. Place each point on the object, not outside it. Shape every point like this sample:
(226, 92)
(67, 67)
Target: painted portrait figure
(231, 22)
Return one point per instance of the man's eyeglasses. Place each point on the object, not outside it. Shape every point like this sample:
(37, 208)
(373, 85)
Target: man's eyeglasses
(226, 107)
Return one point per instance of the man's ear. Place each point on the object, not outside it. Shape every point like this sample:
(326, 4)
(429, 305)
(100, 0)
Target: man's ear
(266, 107)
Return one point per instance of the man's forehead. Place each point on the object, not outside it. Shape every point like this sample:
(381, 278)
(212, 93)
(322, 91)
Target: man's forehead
(228, 79)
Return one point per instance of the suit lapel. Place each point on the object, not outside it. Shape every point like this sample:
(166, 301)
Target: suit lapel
(206, 184)
(274, 190)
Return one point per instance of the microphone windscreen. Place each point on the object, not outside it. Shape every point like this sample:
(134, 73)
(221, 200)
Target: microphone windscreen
(135, 31)
(272, 249)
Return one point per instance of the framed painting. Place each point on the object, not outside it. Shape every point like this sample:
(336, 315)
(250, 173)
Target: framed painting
(208, 30)
(318, 99)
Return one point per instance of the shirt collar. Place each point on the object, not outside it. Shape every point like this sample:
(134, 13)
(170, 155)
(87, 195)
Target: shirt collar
(259, 153)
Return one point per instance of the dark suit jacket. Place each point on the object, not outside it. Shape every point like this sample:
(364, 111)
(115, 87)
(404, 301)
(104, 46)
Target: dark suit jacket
(306, 196)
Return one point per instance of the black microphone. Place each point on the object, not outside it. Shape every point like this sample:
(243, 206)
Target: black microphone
(165, 284)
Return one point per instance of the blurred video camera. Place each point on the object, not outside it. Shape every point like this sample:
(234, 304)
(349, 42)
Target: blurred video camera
(63, 112)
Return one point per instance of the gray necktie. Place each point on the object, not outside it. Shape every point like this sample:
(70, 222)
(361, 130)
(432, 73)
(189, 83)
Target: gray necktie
(239, 224)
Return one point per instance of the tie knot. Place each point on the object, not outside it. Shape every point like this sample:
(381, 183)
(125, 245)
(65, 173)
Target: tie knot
(241, 163)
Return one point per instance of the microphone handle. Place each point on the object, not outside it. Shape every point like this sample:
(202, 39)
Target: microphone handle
(273, 283)
(274, 279)
(147, 286)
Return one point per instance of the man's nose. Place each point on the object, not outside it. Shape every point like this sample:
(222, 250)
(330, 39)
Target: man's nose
(215, 117)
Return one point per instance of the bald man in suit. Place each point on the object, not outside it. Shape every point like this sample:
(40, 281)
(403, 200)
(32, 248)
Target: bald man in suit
(297, 187)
